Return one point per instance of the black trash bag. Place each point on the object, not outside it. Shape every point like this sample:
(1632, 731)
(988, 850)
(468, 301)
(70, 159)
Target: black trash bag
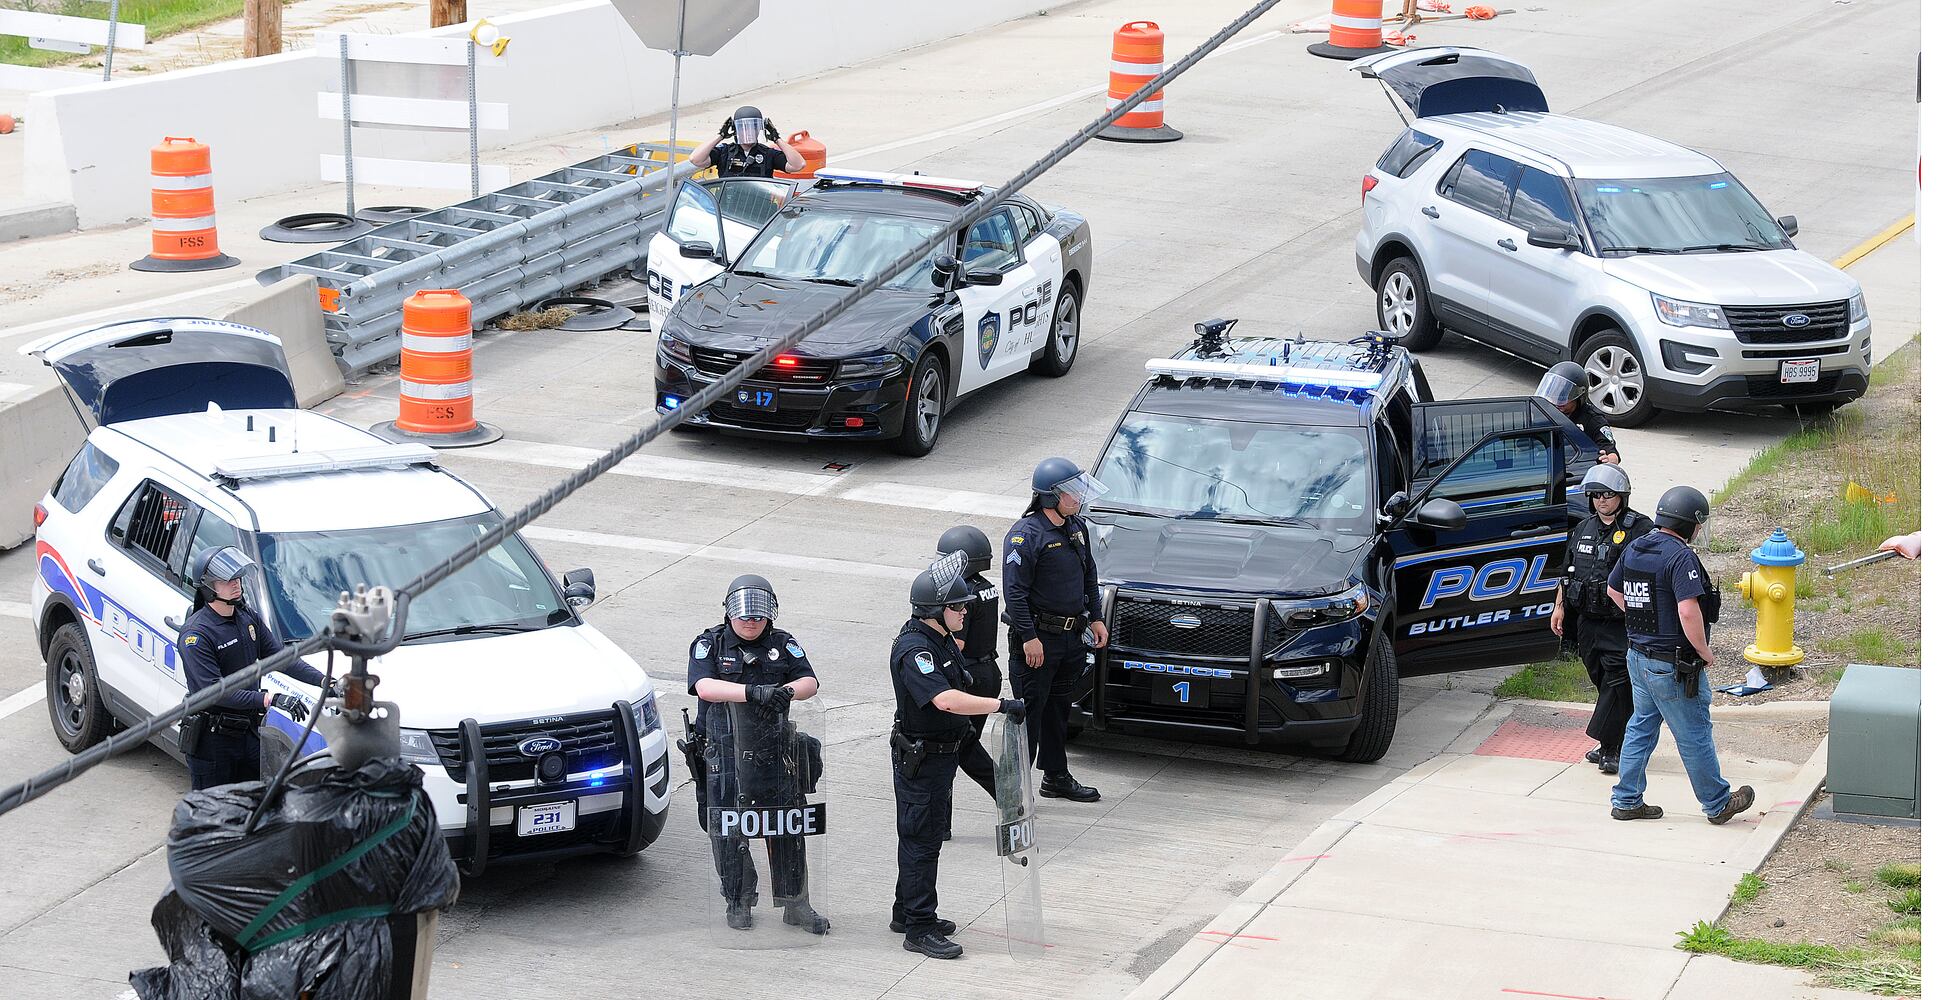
(201, 967)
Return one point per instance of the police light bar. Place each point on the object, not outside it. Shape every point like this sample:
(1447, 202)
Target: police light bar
(381, 456)
(920, 181)
(1276, 374)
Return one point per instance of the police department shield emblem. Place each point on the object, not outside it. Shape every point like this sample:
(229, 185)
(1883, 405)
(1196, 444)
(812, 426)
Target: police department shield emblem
(795, 649)
(989, 337)
(924, 661)
(702, 650)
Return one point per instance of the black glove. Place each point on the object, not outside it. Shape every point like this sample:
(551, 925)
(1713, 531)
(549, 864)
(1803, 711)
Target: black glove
(1014, 709)
(729, 128)
(770, 132)
(774, 697)
(290, 705)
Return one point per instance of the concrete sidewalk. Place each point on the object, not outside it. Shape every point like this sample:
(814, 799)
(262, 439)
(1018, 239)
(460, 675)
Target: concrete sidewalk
(1478, 874)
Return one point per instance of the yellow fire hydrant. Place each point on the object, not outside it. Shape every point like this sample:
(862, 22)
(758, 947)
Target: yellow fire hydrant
(1772, 589)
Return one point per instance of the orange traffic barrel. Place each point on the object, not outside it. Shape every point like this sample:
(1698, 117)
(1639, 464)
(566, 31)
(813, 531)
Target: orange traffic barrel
(813, 152)
(1355, 30)
(436, 374)
(182, 210)
(1135, 60)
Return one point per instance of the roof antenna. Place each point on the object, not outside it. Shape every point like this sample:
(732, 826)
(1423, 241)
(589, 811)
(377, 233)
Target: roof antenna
(273, 432)
(249, 422)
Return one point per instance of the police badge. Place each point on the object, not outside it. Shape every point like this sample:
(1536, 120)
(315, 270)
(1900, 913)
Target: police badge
(989, 337)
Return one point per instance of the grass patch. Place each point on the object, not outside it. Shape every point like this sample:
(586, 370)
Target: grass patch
(1891, 979)
(1815, 436)
(1900, 933)
(1849, 968)
(1905, 903)
(1748, 889)
(159, 18)
(1837, 865)
(1873, 645)
(1558, 680)
(1854, 886)
(1899, 876)
(1852, 523)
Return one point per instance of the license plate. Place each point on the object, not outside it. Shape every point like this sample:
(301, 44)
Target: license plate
(551, 817)
(757, 399)
(1797, 371)
(1180, 694)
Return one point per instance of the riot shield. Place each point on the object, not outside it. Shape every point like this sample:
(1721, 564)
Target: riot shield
(764, 817)
(1020, 858)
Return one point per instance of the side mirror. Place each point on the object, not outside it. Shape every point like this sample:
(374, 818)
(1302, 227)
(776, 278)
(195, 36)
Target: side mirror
(945, 270)
(1789, 222)
(699, 250)
(1439, 515)
(984, 276)
(578, 585)
(1395, 505)
(1553, 238)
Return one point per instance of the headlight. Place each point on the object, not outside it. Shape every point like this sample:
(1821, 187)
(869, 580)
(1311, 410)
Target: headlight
(1676, 312)
(875, 366)
(1303, 614)
(1856, 307)
(647, 719)
(675, 349)
(416, 747)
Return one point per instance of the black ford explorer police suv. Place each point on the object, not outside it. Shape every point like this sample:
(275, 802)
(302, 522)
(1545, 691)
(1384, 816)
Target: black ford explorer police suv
(1290, 526)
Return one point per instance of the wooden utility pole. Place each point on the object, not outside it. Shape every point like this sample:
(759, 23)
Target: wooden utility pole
(263, 28)
(445, 12)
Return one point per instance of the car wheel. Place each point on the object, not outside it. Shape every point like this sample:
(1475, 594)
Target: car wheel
(1621, 383)
(1380, 710)
(1403, 309)
(925, 408)
(74, 702)
(1063, 336)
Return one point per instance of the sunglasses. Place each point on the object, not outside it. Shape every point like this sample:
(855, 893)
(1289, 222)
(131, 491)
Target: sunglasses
(1602, 495)
(751, 619)
(960, 607)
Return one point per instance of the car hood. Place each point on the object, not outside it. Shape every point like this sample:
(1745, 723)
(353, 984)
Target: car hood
(738, 312)
(505, 678)
(1234, 559)
(1753, 278)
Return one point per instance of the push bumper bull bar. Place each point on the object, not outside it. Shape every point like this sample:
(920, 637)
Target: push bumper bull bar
(1099, 718)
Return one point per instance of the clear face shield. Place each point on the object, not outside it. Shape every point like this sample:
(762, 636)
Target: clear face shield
(748, 130)
(751, 603)
(1558, 390)
(948, 572)
(1084, 488)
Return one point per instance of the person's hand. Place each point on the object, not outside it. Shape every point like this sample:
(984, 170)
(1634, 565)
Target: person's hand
(1709, 657)
(770, 132)
(1609, 458)
(268, 698)
(729, 128)
(1014, 708)
(1905, 545)
(1031, 649)
(1098, 631)
(1557, 621)
(764, 695)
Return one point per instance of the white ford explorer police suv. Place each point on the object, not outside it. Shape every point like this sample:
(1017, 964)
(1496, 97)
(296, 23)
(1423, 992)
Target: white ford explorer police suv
(1557, 238)
(537, 735)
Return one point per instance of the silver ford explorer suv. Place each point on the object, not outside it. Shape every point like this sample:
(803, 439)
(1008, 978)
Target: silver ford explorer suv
(1556, 238)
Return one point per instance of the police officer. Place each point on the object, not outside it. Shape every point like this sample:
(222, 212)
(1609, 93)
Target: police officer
(1586, 618)
(1566, 386)
(745, 156)
(931, 685)
(1668, 603)
(979, 641)
(1053, 615)
(221, 637)
(748, 661)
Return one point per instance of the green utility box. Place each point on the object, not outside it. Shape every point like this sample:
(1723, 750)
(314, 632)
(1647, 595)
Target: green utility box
(1874, 757)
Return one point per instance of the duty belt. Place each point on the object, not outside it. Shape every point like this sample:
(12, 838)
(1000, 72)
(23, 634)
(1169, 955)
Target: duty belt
(231, 723)
(1056, 623)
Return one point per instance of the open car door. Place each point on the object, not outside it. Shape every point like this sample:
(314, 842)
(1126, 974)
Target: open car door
(158, 367)
(1451, 80)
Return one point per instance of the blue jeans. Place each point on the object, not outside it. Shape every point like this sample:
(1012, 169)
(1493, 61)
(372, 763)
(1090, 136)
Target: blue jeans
(1659, 699)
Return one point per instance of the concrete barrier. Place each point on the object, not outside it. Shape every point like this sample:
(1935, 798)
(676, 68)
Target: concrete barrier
(289, 309)
(571, 67)
(39, 434)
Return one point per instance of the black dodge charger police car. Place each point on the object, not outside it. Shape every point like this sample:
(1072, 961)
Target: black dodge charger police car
(1290, 526)
(1001, 297)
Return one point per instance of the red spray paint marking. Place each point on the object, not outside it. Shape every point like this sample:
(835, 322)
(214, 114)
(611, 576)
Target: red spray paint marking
(1558, 996)
(1793, 802)
(1303, 857)
(1250, 937)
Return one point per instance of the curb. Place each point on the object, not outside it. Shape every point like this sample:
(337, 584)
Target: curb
(29, 221)
(1777, 822)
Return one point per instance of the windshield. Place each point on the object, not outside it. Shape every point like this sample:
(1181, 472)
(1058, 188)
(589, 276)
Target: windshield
(1237, 470)
(1713, 213)
(837, 245)
(306, 570)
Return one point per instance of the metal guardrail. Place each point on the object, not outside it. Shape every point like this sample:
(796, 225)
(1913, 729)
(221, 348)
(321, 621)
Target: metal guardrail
(505, 250)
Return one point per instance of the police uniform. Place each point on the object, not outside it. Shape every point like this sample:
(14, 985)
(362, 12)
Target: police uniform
(758, 739)
(982, 660)
(1049, 582)
(734, 160)
(1594, 423)
(926, 744)
(213, 646)
(1596, 624)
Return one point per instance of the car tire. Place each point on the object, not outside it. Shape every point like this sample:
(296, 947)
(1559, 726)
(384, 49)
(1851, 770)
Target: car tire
(925, 408)
(1379, 713)
(1063, 335)
(1404, 311)
(74, 701)
(1621, 391)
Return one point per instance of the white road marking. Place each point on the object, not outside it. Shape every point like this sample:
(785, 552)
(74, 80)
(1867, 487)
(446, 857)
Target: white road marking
(19, 700)
(131, 308)
(931, 498)
(680, 470)
(725, 553)
(15, 609)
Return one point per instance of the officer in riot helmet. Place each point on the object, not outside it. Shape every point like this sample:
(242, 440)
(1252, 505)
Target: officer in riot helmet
(1566, 386)
(931, 685)
(1053, 615)
(1587, 619)
(978, 640)
(737, 152)
(752, 760)
(222, 636)
(1668, 604)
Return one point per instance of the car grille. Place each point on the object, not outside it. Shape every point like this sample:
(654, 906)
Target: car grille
(1765, 324)
(1767, 387)
(767, 420)
(808, 371)
(1145, 625)
(588, 741)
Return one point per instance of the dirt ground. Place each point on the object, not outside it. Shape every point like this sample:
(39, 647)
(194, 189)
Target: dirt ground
(1806, 898)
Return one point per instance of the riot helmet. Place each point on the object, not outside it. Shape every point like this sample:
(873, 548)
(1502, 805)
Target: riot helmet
(970, 542)
(224, 564)
(1055, 476)
(750, 596)
(748, 124)
(1682, 510)
(1606, 478)
(938, 585)
(1564, 383)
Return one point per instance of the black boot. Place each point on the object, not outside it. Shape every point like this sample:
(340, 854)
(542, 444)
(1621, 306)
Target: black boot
(1611, 763)
(1065, 787)
(737, 915)
(1592, 756)
(941, 926)
(798, 913)
(934, 945)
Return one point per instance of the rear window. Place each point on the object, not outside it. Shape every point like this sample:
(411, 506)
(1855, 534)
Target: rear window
(1409, 152)
(85, 476)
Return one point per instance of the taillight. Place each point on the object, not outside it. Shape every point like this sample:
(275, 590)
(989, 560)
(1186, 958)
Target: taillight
(1366, 188)
(40, 515)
